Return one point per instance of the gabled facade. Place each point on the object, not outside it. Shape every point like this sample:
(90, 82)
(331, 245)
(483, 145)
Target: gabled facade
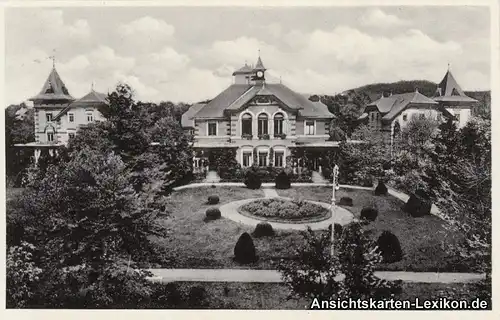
(263, 121)
(390, 114)
(58, 115)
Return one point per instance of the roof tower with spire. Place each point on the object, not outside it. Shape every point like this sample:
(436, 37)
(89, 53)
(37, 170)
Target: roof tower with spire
(53, 89)
(448, 90)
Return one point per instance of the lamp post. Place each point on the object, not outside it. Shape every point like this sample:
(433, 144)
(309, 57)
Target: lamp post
(335, 187)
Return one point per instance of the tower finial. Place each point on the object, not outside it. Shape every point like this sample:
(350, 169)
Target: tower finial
(53, 58)
(448, 66)
(92, 86)
(259, 52)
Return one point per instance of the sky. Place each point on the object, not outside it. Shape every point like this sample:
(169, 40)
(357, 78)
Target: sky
(189, 53)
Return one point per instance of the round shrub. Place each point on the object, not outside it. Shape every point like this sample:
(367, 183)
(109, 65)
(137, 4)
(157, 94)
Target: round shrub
(389, 247)
(282, 181)
(369, 214)
(252, 180)
(212, 186)
(345, 201)
(244, 250)
(417, 205)
(213, 199)
(381, 189)
(263, 229)
(212, 214)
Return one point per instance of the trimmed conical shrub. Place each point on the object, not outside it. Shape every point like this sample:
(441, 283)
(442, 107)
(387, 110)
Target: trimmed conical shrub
(381, 189)
(418, 204)
(282, 181)
(389, 247)
(252, 180)
(369, 214)
(244, 250)
(263, 229)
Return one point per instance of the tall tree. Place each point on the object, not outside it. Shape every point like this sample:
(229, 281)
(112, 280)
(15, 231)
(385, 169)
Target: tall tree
(87, 224)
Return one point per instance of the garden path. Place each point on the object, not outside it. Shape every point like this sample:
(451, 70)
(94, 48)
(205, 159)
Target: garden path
(230, 211)
(318, 178)
(212, 177)
(270, 193)
(274, 276)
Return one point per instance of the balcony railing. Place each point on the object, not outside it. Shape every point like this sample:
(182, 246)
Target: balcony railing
(246, 136)
(264, 136)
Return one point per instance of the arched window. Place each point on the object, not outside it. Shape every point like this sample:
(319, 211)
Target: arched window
(278, 124)
(262, 124)
(246, 124)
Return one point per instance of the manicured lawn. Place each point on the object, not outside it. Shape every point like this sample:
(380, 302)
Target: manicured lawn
(274, 295)
(421, 239)
(193, 243)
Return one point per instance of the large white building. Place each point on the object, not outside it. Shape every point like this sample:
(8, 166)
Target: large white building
(262, 121)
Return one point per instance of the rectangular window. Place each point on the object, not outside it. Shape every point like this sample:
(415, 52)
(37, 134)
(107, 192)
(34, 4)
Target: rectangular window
(457, 115)
(90, 117)
(49, 117)
(247, 156)
(421, 116)
(71, 135)
(50, 136)
(71, 117)
(309, 127)
(262, 159)
(212, 128)
(405, 117)
(278, 159)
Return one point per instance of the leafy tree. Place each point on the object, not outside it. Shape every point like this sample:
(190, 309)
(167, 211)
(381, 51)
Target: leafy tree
(18, 130)
(347, 108)
(89, 225)
(146, 136)
(315, 273)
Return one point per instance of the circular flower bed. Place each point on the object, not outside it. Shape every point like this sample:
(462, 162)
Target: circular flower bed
(281, 210)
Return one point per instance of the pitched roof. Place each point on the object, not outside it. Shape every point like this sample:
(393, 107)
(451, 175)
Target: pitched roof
(187, 117)
(449, 90)
(259, 65)
(91, 100)
(237, 95)
(53, 89)
(243, 70)
(216, 107)
(393, 105)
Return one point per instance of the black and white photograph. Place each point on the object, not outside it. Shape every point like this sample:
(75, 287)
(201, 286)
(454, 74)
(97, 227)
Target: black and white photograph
(249, 157)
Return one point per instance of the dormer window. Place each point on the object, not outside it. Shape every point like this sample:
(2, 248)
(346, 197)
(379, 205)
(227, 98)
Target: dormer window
(49, 88)
(48, 116)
